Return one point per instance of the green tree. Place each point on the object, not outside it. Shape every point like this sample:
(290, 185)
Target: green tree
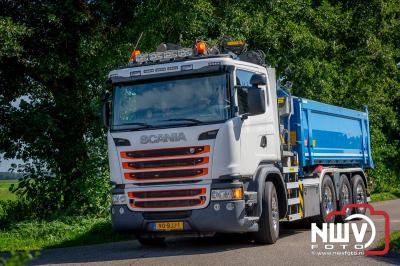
(54, 57)
(53, 68)
(338, 52)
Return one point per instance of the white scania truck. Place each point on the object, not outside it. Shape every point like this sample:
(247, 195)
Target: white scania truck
(203, 141)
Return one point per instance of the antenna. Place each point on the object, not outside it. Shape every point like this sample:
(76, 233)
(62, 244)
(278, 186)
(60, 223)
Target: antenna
(137, 43)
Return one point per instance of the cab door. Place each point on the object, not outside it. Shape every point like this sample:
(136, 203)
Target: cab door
(258, 134)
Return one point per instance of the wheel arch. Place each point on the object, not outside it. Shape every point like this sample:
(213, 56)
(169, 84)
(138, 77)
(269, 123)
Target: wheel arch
(271, 173)
(363, 176)
(349, 172)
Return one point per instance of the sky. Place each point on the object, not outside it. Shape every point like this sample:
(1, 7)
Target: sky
(6, 164)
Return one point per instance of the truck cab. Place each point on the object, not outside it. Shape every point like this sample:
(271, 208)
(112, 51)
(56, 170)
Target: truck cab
(196, 146)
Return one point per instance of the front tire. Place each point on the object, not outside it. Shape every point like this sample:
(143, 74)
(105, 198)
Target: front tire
(268, 226)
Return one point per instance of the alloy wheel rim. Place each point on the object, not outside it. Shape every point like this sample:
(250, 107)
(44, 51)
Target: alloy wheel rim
(345, 198)
(328, 200)
(275, 213)
(360, 196)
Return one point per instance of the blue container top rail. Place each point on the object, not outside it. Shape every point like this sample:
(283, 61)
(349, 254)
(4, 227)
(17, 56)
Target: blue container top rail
(330, 135)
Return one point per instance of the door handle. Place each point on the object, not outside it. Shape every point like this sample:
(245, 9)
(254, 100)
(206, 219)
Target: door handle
(263, 142)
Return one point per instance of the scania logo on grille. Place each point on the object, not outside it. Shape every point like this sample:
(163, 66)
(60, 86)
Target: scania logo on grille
(173, 137)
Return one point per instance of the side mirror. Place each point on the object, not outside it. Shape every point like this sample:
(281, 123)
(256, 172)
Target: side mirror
(255, 101)
(258, 80)
(106, 108)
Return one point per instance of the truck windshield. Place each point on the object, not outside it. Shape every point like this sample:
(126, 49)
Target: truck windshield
(180, 101)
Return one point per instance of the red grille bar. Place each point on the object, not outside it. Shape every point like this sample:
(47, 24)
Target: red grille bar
(171, 163)
(168, 203)
(165, 175)
(167, 193)
(167, 152)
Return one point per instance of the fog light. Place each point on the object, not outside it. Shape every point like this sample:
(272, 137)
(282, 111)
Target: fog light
(230, 206)
(121, 211)
(217, 207)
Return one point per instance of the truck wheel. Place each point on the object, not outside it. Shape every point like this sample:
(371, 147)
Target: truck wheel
(268, 226)
(346, 197)
(359, 193)
(147, 241)
(328, 200)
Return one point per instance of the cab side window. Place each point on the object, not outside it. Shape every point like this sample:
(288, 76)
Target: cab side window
(243, 79)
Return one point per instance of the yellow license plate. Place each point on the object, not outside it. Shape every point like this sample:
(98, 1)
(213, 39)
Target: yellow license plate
(169, 226)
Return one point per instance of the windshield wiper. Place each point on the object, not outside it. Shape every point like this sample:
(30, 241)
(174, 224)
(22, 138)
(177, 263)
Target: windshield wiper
(195, 121)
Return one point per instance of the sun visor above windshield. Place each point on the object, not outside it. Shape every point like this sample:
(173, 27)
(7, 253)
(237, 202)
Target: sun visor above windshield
(137, 75)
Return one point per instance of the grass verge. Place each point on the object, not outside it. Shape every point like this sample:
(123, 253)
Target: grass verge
(36, 234)
(5, 194)
(61, 232)
(394, 243)
(385, 196)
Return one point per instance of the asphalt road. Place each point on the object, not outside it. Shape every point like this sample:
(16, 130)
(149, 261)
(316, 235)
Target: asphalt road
(293, 248)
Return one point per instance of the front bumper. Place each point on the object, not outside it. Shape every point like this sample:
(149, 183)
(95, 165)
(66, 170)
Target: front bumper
(213, 218)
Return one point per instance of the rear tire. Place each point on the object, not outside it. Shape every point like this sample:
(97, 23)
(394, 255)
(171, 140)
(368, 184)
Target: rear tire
(154, 241)
(328, 200)
(359, 193)
(346, 197)
(268, 226)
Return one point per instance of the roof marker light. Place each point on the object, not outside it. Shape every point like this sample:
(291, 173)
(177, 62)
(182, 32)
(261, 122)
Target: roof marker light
(134, 54)
(201, 48)
(142, 58)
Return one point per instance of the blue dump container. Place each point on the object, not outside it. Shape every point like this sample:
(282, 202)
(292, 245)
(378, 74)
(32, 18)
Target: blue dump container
(330, 135)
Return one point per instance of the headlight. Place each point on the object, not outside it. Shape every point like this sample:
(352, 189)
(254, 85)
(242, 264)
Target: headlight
(118, 199)
(227, 194)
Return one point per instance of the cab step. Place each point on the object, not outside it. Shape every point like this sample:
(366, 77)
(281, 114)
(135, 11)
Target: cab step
(287, 153)
(292, 185)
(293, 217)
(291, 169)
(293, 201)
(252, 223)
